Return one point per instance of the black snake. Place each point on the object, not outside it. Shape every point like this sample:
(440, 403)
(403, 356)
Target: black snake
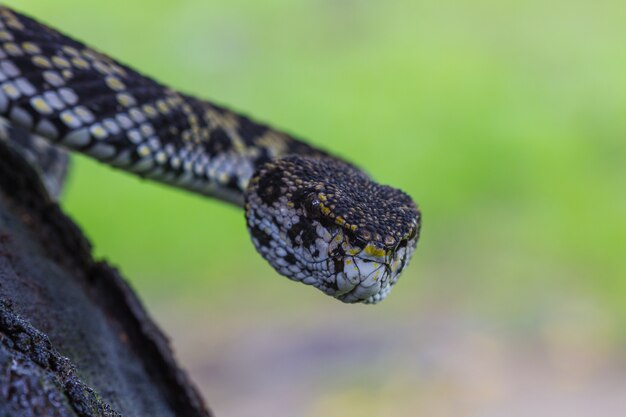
(316, 218)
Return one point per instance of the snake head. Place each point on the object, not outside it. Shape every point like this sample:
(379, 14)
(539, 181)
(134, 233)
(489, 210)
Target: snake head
(323, 222)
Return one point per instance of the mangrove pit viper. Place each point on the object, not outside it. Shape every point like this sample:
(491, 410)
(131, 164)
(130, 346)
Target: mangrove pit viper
(315, 218)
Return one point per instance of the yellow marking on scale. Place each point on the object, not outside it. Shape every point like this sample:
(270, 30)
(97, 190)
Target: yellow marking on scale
(11, 91)
(149, 110)
(40, 105)
(13, 22)
(395, 265)
(374, 251)
(98, 132)
(13, 49)
(146, 130)
(125, 100)
(160, 157)
(114, 83)
(102, 67)
(61, 62)
(52, 77)
(80, 63)
(90, 54)
(69, 119)
(162, 106)
(143, 150)
(70, 50)
(84, 113)
(117, 69)
(31, 48)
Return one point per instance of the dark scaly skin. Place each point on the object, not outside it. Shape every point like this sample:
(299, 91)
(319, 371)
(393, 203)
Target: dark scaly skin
(70, 95)
(111, 112)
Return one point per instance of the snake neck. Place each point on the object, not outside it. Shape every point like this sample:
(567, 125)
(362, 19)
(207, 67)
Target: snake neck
(73, 96)
(234, 151)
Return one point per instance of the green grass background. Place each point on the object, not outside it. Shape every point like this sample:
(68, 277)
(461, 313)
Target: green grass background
(505, 120)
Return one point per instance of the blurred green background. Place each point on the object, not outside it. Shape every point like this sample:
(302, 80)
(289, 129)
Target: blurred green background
(505, 120)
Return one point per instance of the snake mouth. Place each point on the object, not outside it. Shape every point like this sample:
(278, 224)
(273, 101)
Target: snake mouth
(365, 278)
(377, 275)
(361, 293)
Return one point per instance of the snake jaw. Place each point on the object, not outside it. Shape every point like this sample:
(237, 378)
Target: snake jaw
(375, 276)
(304, 222)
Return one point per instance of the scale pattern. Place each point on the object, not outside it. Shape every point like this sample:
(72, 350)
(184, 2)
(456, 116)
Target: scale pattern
(75, 96)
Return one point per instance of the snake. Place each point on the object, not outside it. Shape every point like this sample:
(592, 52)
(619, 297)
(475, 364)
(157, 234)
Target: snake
(315, 217)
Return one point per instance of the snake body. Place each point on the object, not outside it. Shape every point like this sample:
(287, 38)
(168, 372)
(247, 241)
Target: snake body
(316, 218)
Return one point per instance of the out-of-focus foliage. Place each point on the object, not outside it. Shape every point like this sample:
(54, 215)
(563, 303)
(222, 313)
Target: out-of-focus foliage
(505, 120)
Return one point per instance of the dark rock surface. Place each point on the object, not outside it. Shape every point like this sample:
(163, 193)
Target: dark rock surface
(74, 338)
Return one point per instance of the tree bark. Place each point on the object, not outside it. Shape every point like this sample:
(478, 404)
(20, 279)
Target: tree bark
(74, 338)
